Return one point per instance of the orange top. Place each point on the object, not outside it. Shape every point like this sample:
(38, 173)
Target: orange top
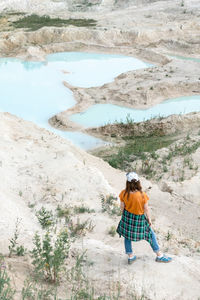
(135, 203)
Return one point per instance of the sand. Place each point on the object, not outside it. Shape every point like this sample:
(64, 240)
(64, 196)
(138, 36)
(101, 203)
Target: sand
(39, 168)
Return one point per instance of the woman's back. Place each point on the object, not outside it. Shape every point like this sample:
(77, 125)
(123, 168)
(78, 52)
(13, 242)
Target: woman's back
(134, 202)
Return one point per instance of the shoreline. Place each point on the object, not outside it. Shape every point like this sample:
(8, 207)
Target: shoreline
(85, 97)
(61, 120)
(151, 43)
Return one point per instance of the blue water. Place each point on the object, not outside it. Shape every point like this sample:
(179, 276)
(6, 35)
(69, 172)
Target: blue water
(185, 58)
(90, 69)
(101, 114)
(35, 92)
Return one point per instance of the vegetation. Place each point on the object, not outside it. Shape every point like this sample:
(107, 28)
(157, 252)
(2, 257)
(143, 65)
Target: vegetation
(83, 209)
(13, 246)
(63, 211)
(136, 147)
(79, 228)
(34, 22)
(168, 236)
(109, 205)
(186, 148)
(45, 217)
(34, 291)
(49, 255)
(6, 291)
(112, 231)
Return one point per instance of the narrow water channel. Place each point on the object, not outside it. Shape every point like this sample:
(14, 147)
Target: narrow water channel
(102, 114)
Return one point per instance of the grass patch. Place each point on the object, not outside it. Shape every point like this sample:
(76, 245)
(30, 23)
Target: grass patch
(63, 212)
(185, 149)
(135, 148)
(35, 22)
(83, 209)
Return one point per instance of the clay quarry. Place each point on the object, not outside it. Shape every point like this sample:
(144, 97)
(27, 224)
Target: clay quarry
(59, 205)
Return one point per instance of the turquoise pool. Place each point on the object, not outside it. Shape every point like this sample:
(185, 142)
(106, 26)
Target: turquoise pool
(101, 114)
(185, 58)
(35, 92)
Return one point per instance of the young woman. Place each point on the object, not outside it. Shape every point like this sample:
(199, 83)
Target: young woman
(135, 224)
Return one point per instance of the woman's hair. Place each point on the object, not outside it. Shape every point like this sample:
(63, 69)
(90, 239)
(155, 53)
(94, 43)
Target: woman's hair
(132, 187)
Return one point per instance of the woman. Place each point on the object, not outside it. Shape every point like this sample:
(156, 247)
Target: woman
(135, 224)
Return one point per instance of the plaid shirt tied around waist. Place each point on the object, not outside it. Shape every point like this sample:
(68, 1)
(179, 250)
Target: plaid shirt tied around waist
(134, 227)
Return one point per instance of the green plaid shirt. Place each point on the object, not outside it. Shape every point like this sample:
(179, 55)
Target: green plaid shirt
(134, 227)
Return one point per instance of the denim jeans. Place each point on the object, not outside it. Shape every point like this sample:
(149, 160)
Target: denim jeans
(154, 246)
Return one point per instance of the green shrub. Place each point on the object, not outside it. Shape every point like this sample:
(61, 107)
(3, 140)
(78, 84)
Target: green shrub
(13, 248)
(45, 217)
(6, 291)
(49, 255)
(63, 211)
(168, 236)
(21, 251)
(82, 209)
(13, 240)
(112, 231)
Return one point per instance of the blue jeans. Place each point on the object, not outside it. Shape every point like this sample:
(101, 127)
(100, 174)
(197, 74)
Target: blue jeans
(154, 246)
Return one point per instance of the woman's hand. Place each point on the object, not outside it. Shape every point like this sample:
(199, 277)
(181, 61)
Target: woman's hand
(122, 205)
(146, 211)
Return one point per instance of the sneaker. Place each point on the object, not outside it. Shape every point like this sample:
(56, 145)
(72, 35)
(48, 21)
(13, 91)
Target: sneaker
(164, 259)
(131, 260)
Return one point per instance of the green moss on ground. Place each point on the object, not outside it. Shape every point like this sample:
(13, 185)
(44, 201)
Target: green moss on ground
(136, 147)
(34, 22)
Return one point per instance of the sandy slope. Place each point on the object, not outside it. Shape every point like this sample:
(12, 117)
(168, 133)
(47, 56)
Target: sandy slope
(41, 167)
(38, 167)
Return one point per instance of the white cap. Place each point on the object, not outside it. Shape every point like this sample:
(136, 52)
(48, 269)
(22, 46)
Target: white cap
(132, 175)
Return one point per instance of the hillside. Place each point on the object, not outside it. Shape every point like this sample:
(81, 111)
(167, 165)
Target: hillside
(49, 185)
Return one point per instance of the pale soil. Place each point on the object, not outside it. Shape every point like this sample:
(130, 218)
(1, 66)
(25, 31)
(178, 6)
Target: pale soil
(174, 124)
(40, 168)
(44, 167)
(170, 165)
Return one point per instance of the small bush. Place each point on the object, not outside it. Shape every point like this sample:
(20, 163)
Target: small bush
(49, 255)
(21, 251)
(45, 217)
(112, 231)
(6, 291)
(165, 169)
(63, 211)
(109, 205)
(168, 236)
(79, 228)
(82, 209)
(13, 240)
